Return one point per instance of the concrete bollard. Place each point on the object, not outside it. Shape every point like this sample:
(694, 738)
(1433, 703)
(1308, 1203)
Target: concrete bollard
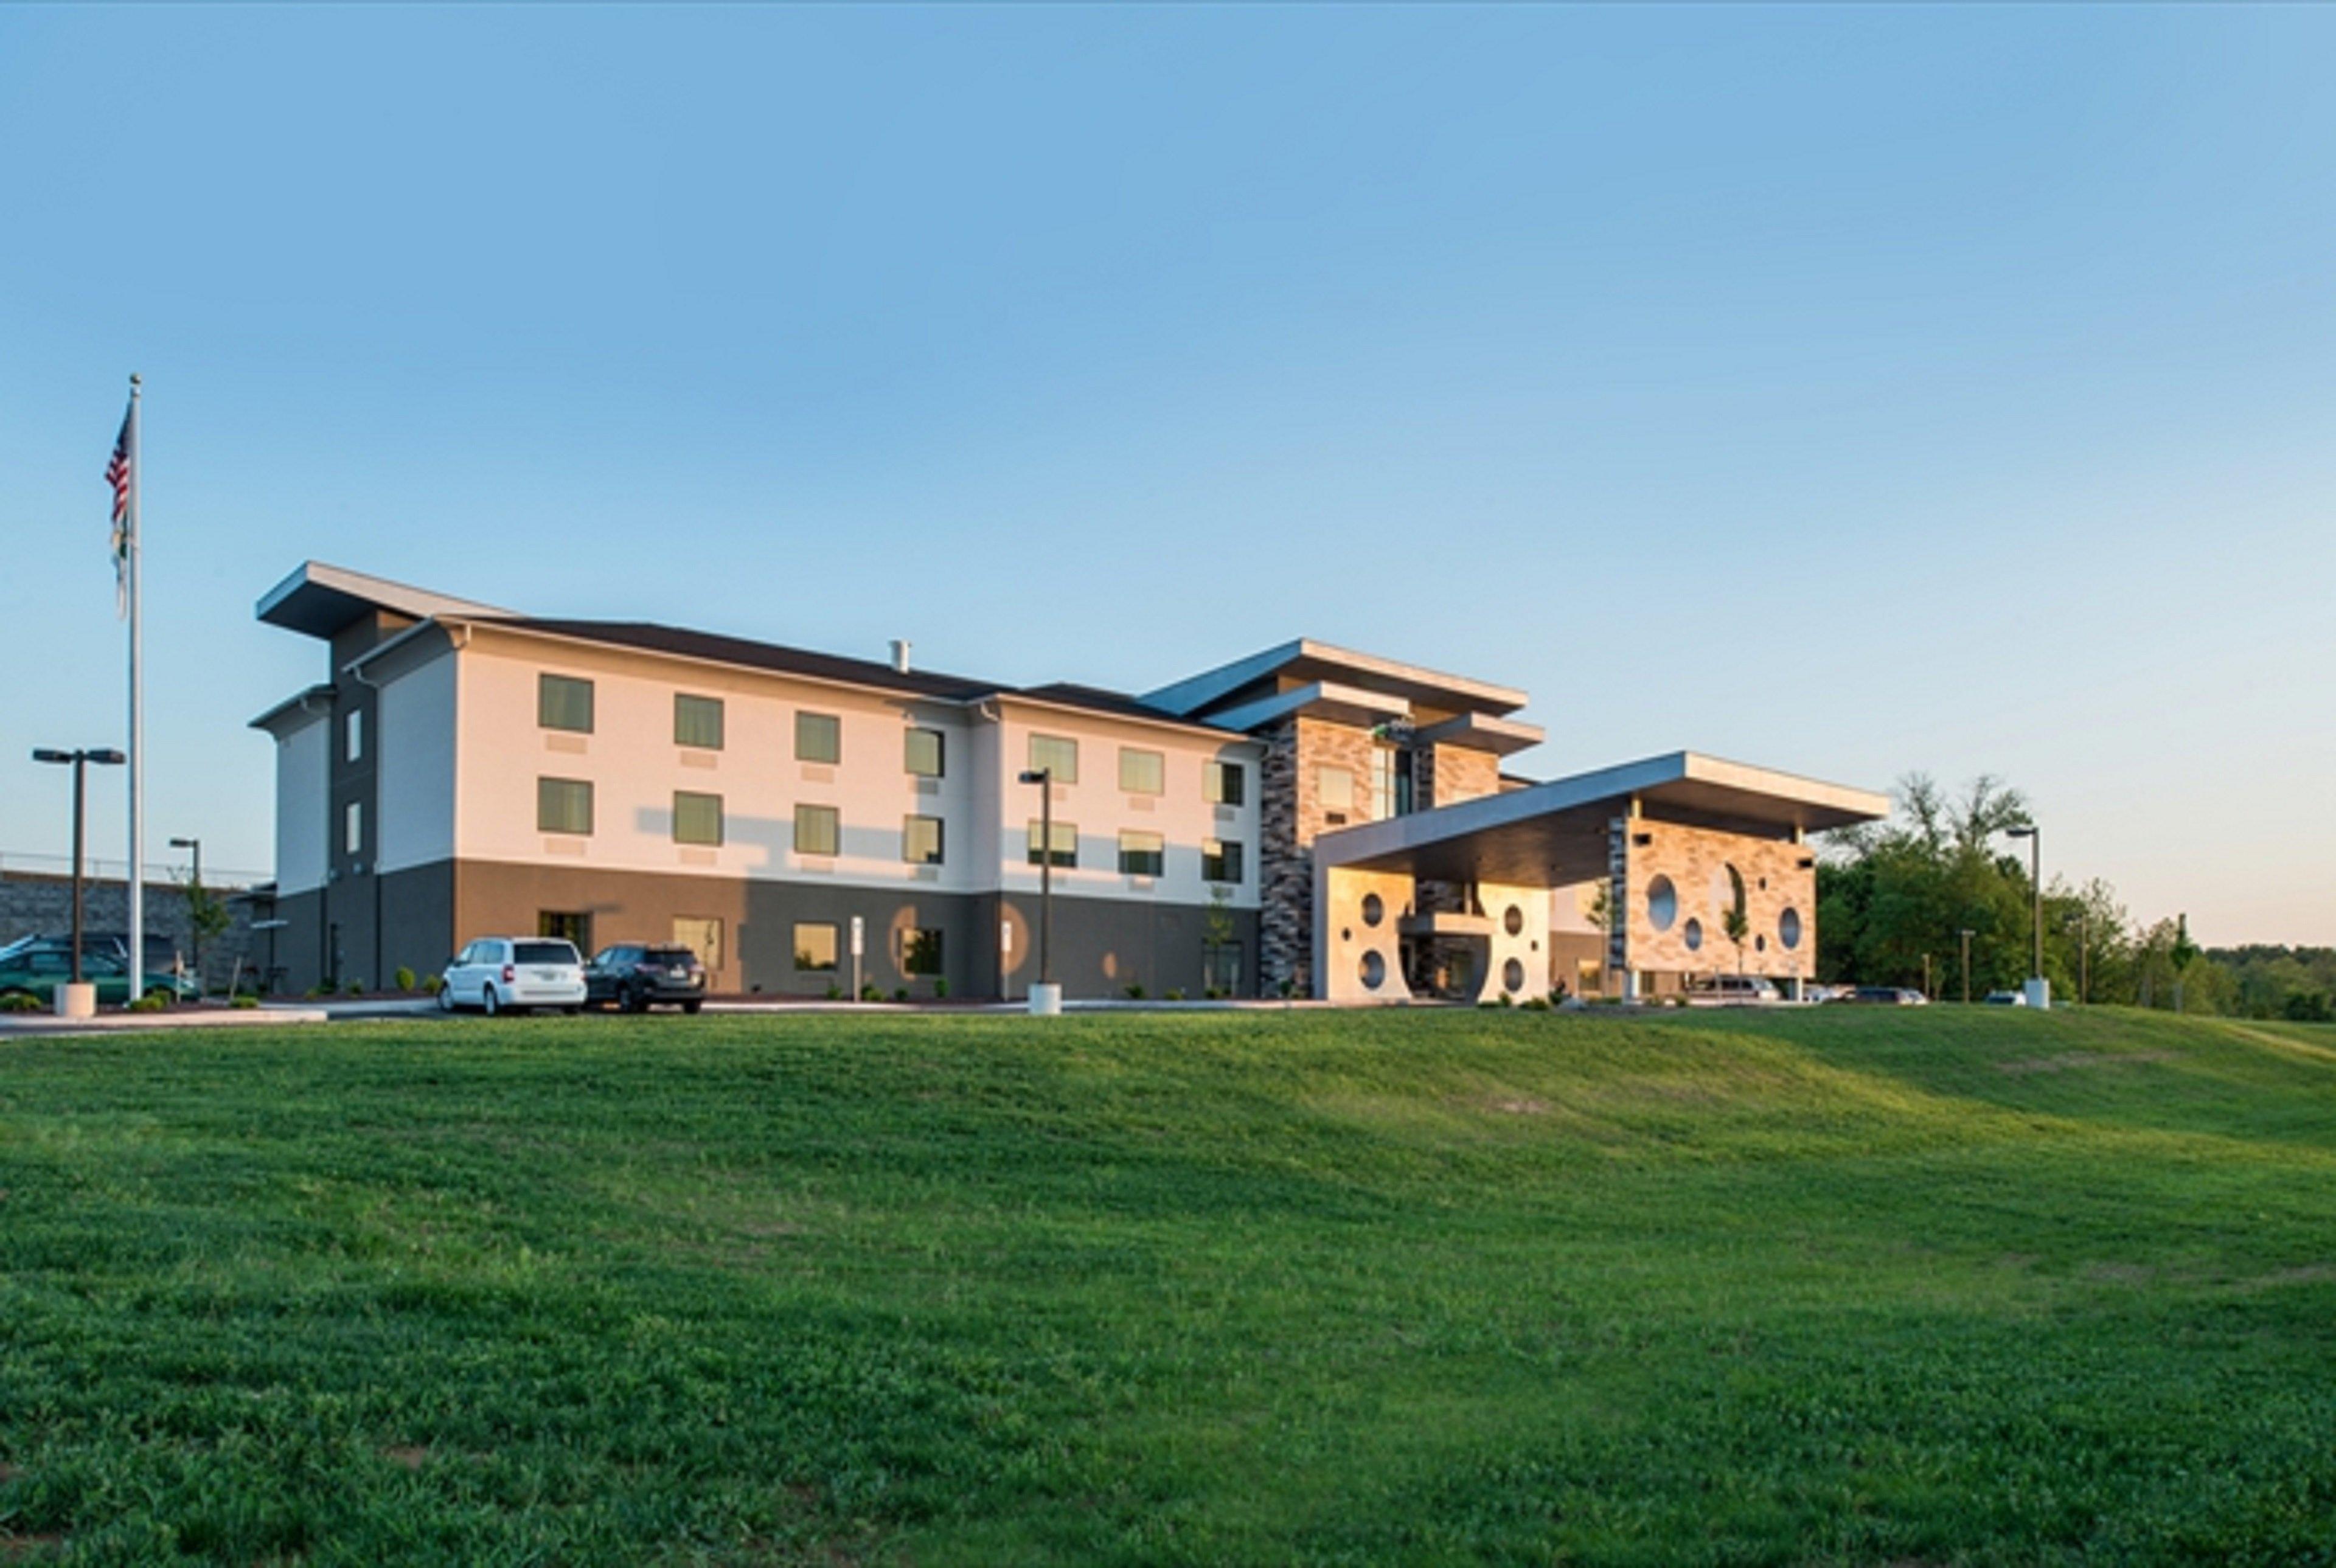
(1046, 1000)
(77, 1000)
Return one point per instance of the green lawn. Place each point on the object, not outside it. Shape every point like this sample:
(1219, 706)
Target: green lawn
(1840, 1286)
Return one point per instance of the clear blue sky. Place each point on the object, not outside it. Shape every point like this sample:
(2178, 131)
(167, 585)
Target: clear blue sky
(1847, 390)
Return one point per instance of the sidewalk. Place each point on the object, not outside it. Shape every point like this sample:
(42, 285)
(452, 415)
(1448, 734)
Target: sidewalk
(18, 1026)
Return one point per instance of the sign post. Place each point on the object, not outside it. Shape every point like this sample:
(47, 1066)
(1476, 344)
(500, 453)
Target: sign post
(859, 940)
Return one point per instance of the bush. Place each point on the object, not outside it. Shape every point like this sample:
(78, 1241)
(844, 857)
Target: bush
(19, 1002)
(1175, 993)
(405, 978)
(834, 992)
(431, 985)
(899, 993)
(354, 988)
(243, 1000)
(869, 993)
(1135, 993)
(313, 992)
(152, 1002)
(1535, 1005)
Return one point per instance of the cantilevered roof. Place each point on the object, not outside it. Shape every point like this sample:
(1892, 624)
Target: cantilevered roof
(320, 599)
(1307, 662)
(1554, 833)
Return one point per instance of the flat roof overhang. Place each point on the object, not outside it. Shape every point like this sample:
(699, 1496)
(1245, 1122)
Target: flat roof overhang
(320, 599)
(1555, 834)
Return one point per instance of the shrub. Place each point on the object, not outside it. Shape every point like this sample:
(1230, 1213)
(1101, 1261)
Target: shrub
(243, 1000)
(834, 992)
(405, 978)
(313, 992)
(152, 1002)
(1214, 993)
(354, 988)
(869, 993)
(1175, 993)
(899, 993)
(940, 990)
(431, 985)
(19, 1002)
(1135, 992)
(1535, 1005)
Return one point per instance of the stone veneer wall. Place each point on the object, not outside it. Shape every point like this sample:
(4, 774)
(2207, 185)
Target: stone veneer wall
(38, 903)
(1444, 775)
(1290, 817)
(1778, 875)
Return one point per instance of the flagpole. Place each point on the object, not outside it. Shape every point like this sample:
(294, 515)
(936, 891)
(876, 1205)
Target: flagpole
(137, 954)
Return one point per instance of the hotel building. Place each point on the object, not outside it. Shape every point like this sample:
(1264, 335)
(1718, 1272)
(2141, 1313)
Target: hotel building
(1308, 821)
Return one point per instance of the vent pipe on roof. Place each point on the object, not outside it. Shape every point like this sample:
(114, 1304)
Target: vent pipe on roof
(900, 654)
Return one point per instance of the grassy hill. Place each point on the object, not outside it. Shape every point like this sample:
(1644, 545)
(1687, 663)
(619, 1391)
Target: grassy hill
(1834, 1286)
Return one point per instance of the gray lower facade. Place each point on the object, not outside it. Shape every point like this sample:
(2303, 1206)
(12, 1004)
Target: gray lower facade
(766, 937)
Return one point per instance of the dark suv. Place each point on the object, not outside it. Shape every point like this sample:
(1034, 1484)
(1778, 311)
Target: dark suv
(636, 976)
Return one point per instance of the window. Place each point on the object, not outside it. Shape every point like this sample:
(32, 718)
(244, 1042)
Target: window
(563, 805)
(702, 936)
(697, 721)
(1227, 783)
(920, 841)
(1143, 772)
(1057, 754)
(819, 737)
(816, 947)
(696, 818)
(563, 702)
(1220, 968)
(1066, 846)
(1141, 854)
(353, 828)
(1391, 782)
(925, 755)
(553, 949)
(1221, 860)
(571, 926)
(1334, 788)
(921, 952)
(356, 736)
(819, 830)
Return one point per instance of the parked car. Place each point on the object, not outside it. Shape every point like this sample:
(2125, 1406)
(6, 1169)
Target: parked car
(162, 955)
(2006, 999)
(498, 972)
(1735, 989)
(1813, 992)
(1888, 996)
(636, 976)
(36, 970)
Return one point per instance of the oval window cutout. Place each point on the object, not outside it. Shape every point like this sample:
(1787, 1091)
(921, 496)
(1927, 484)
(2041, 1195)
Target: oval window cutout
(1662, 904)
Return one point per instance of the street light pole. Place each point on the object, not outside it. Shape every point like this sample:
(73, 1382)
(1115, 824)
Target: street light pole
(1045, 996)
(2035, 837)
(194, 926)
(78, 760)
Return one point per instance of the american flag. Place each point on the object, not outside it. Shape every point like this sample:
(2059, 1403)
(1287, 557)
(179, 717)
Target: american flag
(118, 475)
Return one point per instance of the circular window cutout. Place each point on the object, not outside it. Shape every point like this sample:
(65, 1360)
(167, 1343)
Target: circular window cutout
(1513, 977)
(1789, 927)
(1662, 904)
(1693, 935)
(1374, 911)
(1514, 921)
(1373, 970)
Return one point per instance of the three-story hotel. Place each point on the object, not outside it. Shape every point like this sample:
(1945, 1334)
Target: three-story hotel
(1308, 821)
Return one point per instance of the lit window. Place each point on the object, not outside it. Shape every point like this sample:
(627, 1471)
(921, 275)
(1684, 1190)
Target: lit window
(696, 818)
(563, 702)
(920, 841)
(1056, 754)
(819, 737)
(927, 755)
(1066, 844)
(697, 721)
(1221, 860)
(1227, 783)
(816, 946)
(819, 830)
(1143, 772)
(563, 805)
(1143, 854)
(1334, 788)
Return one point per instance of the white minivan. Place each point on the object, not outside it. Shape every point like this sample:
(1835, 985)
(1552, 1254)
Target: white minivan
(498, 972)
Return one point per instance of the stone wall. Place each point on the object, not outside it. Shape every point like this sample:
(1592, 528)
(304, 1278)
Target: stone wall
(36, 903)
(1292, 815)
(1779, 879)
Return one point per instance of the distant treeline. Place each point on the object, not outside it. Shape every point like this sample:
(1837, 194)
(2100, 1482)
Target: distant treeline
(1894, 898)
